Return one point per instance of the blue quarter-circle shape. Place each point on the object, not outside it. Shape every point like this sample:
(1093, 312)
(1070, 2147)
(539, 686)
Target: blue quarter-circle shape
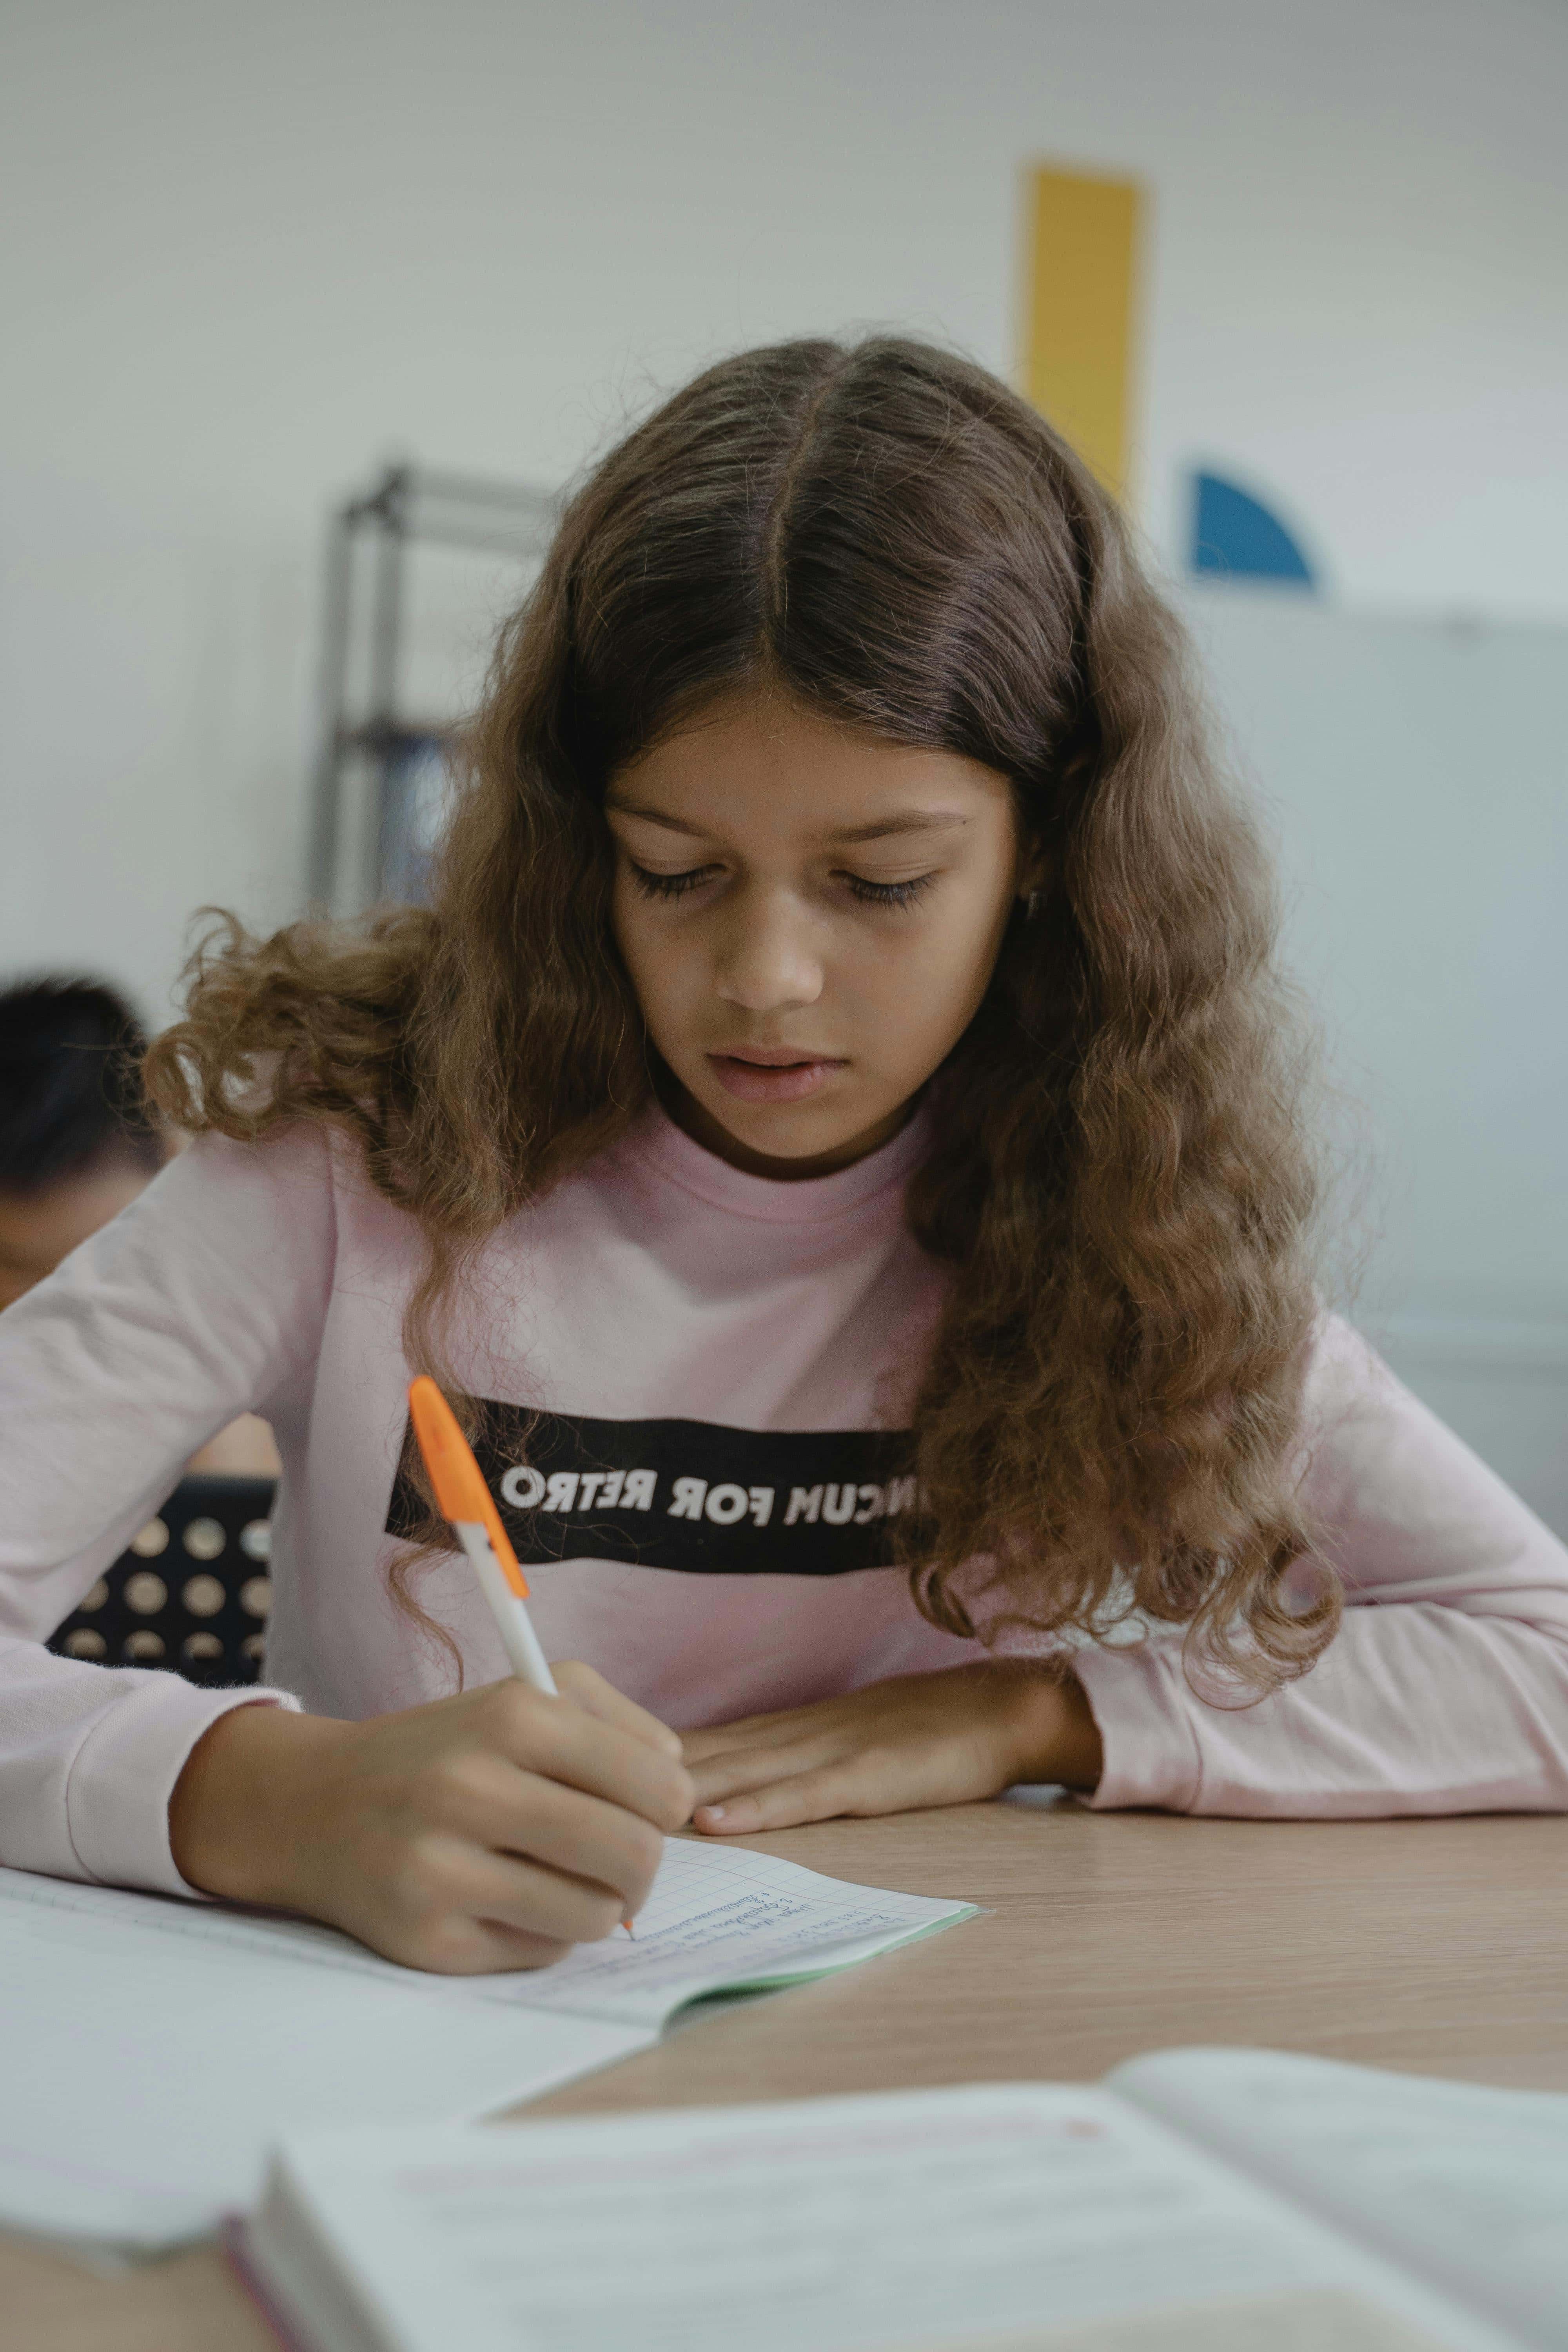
(1235, 537)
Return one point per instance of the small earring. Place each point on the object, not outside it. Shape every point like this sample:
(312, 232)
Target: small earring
(1031, 906)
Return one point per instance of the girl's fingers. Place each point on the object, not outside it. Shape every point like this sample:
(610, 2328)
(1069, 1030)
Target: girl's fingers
(562, 1740)
(517, 1893)
(599, 1843)
(493, 1805)
(483, 1948)
(462, 1910)
(589, 1690)
(808, 1797)
(739, 1770)
(750, 1731)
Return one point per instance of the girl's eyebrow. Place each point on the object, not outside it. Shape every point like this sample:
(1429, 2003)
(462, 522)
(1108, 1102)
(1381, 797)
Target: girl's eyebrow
(651, 817)
(899, 821)
(878, 829)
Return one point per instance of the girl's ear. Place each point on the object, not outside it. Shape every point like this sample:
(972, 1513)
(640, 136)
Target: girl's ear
(1036, 872)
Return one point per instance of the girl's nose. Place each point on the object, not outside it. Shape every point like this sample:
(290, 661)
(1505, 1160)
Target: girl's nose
(768, 962)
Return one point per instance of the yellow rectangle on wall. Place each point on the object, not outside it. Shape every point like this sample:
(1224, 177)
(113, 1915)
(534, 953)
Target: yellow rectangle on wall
(1083, 263)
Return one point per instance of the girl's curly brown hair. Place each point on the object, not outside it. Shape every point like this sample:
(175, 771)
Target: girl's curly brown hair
(1120, 1180)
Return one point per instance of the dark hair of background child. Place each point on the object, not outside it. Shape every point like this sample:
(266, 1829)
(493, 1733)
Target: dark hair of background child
(70, 1083)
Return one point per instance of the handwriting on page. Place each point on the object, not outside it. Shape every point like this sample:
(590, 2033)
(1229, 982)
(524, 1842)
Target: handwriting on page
(714, 1917)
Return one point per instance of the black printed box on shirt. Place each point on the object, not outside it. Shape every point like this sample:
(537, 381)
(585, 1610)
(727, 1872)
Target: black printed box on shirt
(691, 1494)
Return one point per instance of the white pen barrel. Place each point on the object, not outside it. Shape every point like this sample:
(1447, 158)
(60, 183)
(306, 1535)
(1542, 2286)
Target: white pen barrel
(529, 1662)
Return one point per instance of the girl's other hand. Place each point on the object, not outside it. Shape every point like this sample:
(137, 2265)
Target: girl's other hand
(490, 1830)
(946, 1739)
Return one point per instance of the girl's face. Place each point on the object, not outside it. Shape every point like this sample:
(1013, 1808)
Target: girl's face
(810, 918)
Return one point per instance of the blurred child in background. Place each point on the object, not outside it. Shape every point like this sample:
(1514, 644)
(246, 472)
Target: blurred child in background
(78, 1142)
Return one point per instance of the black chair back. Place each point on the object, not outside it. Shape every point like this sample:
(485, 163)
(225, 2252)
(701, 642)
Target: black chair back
(192, 1592)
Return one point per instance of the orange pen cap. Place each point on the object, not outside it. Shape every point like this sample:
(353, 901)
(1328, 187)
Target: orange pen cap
(461, 1490)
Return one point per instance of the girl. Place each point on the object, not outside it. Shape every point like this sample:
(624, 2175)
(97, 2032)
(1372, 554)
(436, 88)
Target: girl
(836, 1131)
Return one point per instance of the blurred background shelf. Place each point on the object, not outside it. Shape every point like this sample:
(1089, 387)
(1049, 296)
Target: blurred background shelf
(419, 569)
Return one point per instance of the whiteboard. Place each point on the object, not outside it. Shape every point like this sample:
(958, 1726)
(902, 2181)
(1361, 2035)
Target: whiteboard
(1414, 777)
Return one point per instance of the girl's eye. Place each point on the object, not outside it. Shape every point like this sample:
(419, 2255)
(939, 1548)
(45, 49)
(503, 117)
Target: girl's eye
(668, 886)
(870, 894)
(888, 894)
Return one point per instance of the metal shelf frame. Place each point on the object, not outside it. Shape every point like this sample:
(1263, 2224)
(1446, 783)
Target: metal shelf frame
(371, 541)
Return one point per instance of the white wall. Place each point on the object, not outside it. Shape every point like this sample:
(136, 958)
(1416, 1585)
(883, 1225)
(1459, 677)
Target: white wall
(260, 243)
(252, 251)
(1415, 778)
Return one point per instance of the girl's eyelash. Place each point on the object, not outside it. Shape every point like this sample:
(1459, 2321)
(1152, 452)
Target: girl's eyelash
(870, 894)
(888, 894)
(668, 886)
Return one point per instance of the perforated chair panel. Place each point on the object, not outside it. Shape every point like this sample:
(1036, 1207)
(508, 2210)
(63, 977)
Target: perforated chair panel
(193, 1592)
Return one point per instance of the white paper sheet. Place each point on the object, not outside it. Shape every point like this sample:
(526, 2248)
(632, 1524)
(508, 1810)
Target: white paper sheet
(152, 2049)
(720, 1915)
(150, 2053)
(1468, 2184)
(822, 2226)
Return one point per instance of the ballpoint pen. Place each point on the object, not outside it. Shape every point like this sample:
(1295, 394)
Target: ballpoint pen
(463, 1498)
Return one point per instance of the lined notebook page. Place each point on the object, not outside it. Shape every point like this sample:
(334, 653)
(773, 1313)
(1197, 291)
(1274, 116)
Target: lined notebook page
(721, 1915)
(716, 1916)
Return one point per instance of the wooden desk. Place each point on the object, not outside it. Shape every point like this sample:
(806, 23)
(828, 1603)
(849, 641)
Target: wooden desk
(1435, 1947)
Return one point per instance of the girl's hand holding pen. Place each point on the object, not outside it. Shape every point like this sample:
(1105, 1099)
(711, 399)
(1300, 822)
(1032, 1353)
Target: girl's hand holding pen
(489, 1831)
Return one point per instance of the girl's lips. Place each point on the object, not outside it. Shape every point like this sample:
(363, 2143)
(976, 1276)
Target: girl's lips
(770, 1081)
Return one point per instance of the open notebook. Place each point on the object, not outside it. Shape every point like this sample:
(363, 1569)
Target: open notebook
(1202, 2200)
(153, 2048)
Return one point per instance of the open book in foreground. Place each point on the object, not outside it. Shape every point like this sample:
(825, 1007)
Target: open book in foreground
(153, 2050)
(1203, 2200)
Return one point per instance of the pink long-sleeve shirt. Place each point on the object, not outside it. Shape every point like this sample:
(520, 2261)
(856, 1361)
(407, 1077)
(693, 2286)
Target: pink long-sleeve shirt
(695, 1377)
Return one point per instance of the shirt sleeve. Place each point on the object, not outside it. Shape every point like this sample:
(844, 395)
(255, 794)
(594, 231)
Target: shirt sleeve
(204, 1299)
(1446, 1689)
